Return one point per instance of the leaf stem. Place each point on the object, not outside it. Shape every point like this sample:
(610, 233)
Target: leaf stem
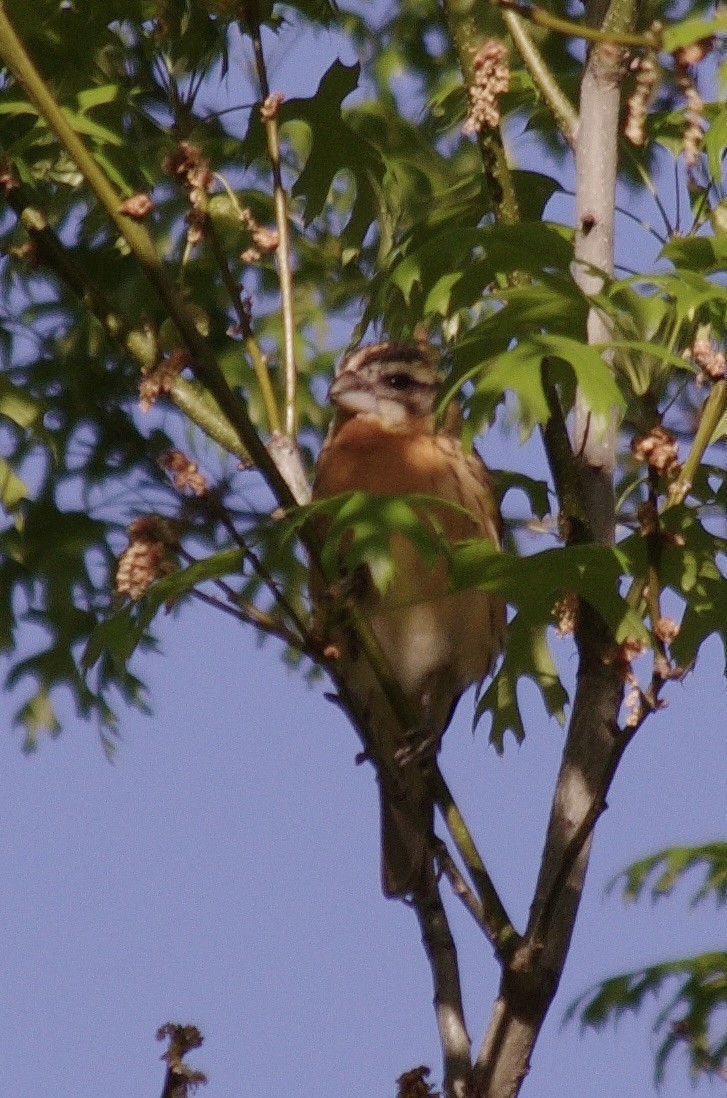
(280, 203)
(562, 109)
(249, 342)
(649, 40)
(712, 411)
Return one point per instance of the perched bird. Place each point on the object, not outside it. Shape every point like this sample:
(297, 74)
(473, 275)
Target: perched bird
(384, 440)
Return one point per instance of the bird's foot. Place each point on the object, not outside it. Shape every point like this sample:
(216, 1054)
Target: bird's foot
(421, 747)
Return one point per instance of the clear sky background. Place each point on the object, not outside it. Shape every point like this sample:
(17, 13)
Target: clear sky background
(224, 871)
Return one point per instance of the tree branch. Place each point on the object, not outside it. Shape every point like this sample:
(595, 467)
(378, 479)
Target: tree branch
(494, 920)
(467, 38)
(592, 749)
(649, 40)
(442, 954)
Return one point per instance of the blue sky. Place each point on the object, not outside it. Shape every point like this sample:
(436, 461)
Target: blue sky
(224, 871)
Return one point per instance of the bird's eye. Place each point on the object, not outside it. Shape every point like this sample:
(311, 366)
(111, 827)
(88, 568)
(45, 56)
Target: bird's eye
(400, 381)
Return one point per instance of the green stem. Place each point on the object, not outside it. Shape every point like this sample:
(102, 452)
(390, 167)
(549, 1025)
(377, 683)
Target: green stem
(563, 110)
(649, 40)
(252, 348)
(282, 221)
(712, 411)
(495, 920)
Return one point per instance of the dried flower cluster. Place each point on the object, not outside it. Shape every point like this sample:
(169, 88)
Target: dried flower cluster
(413, 1084)
(565, 612)
(162, 377)
(693, 132)
(667, 630)
(136, 206)
(270, 108)
(147, 557)
(189, 166)
(184, 472)
(710, 361)
(647, 74)
(193, 172)
(182, 1039)
(621, 657)
(658, 448)
(491, 80)
(264, 240)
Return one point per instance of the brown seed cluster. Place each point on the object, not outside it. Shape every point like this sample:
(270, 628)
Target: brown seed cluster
(658, 448)
(136, 206)
(413, 1084)
(693, 132)
(710, 361)
(264, 240)
(184, 472)
(491, 80)
(647, 74)
(565, 613)
(147, 557)
(188, 164)
(667, 630)
(270, 108)
(162, 377)
(621, 658)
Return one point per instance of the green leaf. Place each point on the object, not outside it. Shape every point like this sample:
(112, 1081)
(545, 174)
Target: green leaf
(663, 871)
(361, 526)
(19, 406)
(12, 489)
(534, 584)
(706, 254)
(527, 655)
(688, 31)
(536, 491)
(97, 97)
(36, 717)
(715, 142)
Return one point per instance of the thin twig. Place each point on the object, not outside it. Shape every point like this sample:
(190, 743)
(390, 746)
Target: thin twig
(649, 40)
(251, 615)
(542, 76)
(282, 221)
(250, 344)
(495, 921)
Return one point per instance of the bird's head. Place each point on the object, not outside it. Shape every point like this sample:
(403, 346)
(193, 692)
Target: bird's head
(395, 383)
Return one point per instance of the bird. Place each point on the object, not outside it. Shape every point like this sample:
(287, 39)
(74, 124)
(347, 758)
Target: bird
(384, 439)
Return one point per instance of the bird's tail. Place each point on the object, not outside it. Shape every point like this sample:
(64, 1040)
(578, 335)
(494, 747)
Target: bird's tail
(407, 832)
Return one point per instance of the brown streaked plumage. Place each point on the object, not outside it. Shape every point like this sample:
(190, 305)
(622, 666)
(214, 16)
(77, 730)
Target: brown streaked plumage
(384, 440)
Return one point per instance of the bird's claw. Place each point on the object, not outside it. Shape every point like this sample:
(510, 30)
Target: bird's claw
(419, 749)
